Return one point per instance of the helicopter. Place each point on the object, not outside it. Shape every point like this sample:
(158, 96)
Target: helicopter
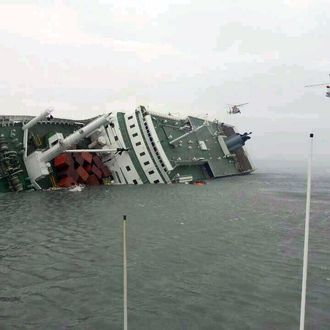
(327, 94)
(234, 108)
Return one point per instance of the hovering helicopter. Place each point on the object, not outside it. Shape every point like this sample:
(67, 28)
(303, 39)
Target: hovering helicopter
(327, 94)
(234, 108)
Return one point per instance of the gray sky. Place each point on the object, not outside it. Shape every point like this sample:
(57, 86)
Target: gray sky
(191, 57)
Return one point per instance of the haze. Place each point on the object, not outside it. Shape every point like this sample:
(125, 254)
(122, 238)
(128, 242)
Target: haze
(84, 58)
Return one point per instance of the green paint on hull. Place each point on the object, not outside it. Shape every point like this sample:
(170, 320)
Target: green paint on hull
(185, 153)
(191, 145)
(12, 132)
(124, 133)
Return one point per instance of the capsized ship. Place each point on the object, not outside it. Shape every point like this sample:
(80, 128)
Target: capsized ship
(121, 148)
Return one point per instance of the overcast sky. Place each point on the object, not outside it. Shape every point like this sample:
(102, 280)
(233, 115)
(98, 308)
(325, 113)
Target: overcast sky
(84, 58)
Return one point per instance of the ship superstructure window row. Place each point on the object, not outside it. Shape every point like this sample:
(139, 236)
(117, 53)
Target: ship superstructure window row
(142, 118)
(122, 164)
(142, 153)
(154, 146)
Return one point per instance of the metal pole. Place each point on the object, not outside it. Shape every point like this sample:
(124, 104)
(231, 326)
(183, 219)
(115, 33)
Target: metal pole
(36, 119)
(125, 272)
(74, 138)
(308, 202)
(107, 151)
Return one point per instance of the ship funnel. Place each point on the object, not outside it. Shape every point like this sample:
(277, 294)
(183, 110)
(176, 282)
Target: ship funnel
(237, 141)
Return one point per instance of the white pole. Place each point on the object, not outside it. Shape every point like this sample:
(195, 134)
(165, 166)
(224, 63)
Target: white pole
(30, 124)
(106, 151)
(36, 119)
(125, 272)
(74, 138)
(308, 203)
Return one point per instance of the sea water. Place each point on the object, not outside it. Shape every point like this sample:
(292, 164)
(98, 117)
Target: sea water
(227, 255)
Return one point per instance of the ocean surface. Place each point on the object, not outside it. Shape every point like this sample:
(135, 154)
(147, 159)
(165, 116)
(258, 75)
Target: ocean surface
(227, 255)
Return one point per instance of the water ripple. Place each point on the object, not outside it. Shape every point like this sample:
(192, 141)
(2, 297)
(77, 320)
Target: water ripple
(227, 256)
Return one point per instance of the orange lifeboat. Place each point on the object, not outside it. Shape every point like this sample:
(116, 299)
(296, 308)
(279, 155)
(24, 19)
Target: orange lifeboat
(199, 183)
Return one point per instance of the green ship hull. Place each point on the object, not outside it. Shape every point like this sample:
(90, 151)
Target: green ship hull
(121, 148)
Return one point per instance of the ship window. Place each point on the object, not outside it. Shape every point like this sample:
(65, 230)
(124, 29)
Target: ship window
(132, 126)
(151, 172)
(146, 163)
(156, 181)
(118, 178)
(130, 117)
(142, 153)
(135, 134)
(116, 138)
(128, 168)
(134, 181)
(138, 144)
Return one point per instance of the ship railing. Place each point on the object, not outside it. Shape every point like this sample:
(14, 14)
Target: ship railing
(163, 116)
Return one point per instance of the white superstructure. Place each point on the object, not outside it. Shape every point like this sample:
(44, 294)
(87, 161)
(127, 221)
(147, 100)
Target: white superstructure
(146, 161)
